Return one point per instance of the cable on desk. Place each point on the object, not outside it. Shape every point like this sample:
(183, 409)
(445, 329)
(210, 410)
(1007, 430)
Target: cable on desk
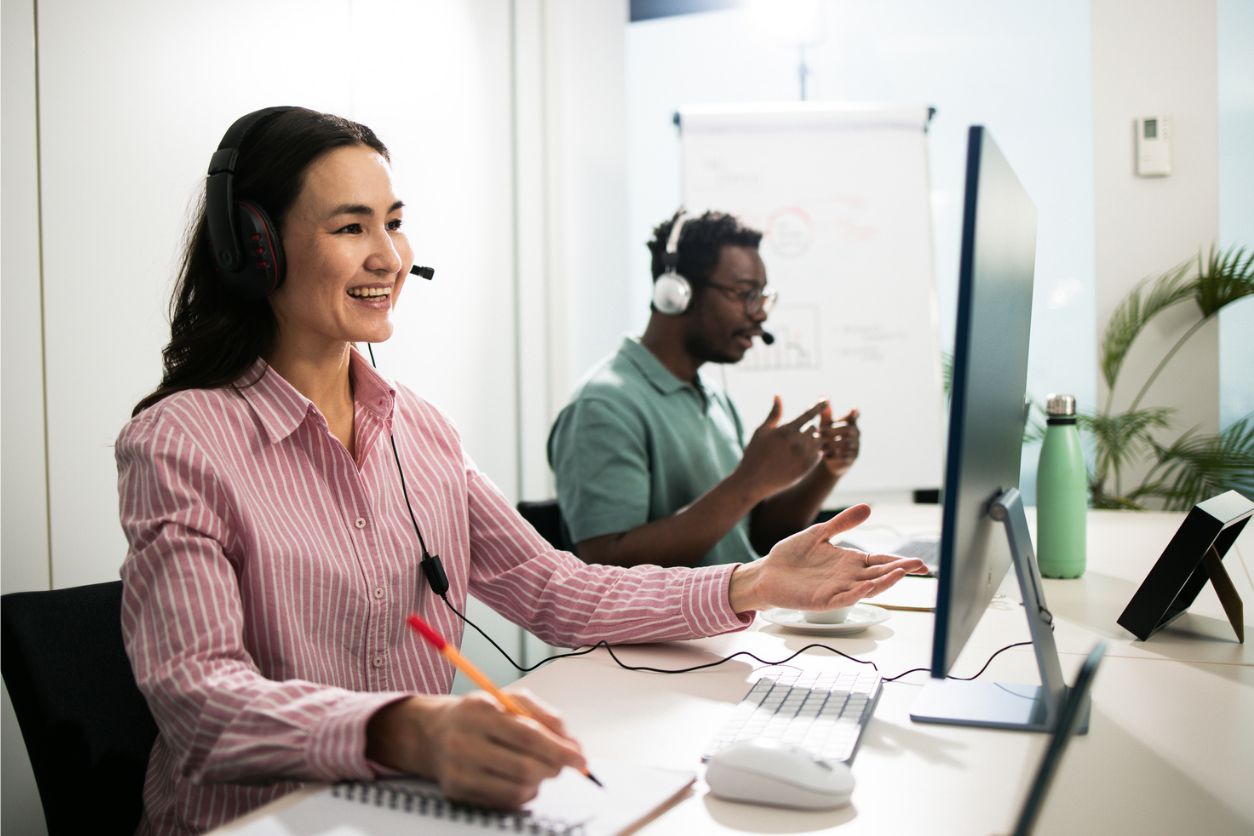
(648, 669)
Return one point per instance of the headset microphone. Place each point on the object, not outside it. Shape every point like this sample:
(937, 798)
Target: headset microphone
(767, 337)
(426, 272)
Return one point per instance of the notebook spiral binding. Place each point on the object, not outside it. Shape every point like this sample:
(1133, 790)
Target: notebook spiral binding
(433, 805)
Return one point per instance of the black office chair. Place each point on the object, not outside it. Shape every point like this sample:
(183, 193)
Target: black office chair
(546, 518)
(87, 728)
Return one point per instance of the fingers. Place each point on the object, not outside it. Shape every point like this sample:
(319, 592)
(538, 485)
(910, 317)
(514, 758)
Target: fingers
(842, 428)
(493, 757)
(777, 409)
(539, 710)
(841, 440)
(864, 589)
(807, 416)
(851, 517)
(882, 563)
(885, 581)
(532, 737)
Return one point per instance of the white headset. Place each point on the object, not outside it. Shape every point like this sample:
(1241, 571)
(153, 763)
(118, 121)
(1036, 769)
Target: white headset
(671, 291)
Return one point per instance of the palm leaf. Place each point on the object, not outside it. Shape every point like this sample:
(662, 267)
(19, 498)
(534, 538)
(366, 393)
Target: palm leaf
(1137, 309)
(1227, 275)
(1121, 438)
(1198, 466)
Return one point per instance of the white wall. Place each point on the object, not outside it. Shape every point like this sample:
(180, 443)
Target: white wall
(586, 122)
(1145, 226)
(23, 477)
(572, 187)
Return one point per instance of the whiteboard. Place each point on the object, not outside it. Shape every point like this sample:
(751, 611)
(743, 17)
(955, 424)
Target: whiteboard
(841, 194)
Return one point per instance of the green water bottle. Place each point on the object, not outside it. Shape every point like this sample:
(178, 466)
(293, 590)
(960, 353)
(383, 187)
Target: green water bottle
(1061, 493)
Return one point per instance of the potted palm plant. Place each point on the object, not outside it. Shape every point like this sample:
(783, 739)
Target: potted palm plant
(1195, 465)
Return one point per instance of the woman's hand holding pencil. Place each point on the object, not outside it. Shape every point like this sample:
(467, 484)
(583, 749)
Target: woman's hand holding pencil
(475, 747)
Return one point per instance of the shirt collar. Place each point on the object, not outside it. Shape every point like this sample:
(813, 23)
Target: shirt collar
(661, 378)
(281, 408)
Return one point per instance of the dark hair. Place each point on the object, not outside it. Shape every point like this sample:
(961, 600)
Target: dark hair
(700, 244)
(215, 334)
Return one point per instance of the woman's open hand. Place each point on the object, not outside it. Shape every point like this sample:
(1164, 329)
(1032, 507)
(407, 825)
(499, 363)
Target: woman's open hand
(806, 572)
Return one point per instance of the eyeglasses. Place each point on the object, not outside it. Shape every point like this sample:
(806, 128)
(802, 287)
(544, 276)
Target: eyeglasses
(755, 299)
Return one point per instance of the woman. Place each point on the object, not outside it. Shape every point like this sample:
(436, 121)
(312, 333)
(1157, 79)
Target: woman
(272, 556)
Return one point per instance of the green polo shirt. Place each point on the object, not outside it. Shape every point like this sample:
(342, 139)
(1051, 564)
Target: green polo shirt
(636, 444)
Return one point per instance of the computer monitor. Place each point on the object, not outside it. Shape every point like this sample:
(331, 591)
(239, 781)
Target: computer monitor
(984, 531)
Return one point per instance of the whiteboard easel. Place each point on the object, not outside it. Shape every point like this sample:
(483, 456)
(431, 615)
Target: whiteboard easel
(841, 193)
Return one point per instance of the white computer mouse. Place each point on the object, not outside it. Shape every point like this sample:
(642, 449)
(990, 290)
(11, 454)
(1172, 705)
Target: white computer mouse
(769, 772)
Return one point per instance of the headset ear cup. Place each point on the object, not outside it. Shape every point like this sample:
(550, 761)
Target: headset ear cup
(263, 267)
(671, 294)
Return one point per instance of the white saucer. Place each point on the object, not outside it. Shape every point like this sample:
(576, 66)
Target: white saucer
(860, 617)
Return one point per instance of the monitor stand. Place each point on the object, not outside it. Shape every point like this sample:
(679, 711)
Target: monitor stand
(995, 704)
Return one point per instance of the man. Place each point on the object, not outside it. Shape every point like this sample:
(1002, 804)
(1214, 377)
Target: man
(649, 455)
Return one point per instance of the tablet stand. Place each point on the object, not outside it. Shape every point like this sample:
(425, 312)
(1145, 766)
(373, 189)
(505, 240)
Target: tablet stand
(1193, 557)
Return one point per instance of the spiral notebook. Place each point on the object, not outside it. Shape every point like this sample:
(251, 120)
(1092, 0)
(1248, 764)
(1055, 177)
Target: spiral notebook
(567, 804)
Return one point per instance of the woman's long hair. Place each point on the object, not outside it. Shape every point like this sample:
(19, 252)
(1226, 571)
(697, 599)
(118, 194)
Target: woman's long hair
(215, 334)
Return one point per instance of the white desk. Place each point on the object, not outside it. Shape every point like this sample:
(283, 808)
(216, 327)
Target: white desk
(1172, 730)
(1171, 737)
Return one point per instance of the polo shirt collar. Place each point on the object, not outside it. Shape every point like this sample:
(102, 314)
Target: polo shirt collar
(662, 378)
(651, 368)
(281, 408)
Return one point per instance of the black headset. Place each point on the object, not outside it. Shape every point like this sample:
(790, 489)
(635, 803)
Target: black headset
(245, 242)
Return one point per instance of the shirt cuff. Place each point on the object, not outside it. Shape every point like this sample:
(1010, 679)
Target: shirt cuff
(707, 601)
(337, 749)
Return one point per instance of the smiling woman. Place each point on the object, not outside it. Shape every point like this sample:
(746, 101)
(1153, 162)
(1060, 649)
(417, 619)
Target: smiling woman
(273, 547)
(235, 255)
(346, 268)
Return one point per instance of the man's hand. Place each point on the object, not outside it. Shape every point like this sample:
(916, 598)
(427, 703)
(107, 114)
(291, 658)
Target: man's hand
(806, 572)
(779, 454)
(472, 747)
(839, 440)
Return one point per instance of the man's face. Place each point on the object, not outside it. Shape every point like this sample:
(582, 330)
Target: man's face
(719, 328)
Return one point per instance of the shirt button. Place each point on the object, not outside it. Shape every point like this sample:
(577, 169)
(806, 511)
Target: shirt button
(378, 592)
(378, 661)
(360, 522)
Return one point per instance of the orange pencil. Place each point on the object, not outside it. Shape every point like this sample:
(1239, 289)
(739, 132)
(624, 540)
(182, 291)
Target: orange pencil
(477, 676)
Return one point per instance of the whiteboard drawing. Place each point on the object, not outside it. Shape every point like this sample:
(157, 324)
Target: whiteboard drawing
(841, 195)
(796, 346)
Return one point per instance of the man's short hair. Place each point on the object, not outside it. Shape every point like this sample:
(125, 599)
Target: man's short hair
(701, 241)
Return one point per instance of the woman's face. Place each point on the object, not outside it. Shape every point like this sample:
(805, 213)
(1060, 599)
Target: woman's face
(347, 257)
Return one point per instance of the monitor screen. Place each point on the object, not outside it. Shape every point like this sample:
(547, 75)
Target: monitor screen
(984, 530)
(987, 407)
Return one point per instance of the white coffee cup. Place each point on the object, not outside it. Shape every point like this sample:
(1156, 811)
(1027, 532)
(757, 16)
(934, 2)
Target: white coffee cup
(836, 616)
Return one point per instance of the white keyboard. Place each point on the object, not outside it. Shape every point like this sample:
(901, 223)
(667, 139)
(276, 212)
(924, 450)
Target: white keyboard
(821, 713)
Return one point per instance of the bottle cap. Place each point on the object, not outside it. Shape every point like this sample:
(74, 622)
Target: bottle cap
(1060, 405)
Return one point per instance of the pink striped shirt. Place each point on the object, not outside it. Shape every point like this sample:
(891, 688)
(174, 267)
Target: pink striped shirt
(269, 574)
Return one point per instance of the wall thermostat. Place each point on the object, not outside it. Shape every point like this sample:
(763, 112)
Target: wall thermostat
(1153, 146)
